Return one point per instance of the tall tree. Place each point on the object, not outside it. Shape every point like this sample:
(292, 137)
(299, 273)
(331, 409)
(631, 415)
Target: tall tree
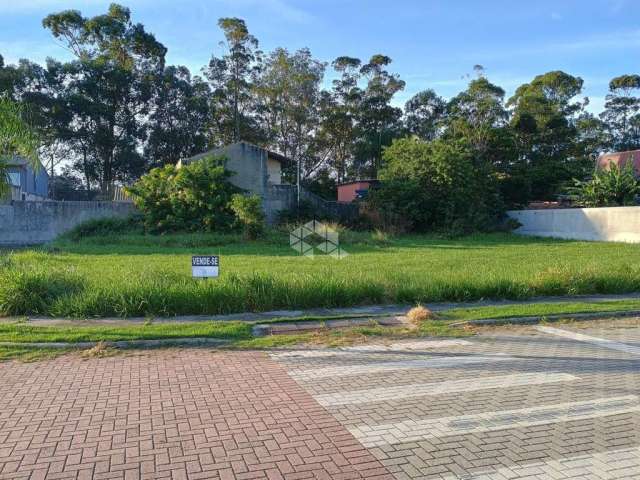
(477, 114)
(108, 89)
(232, 78)
(544, 121)
(179, 118)
(592, 140)
(289, 91)
(337, 129)
(378, 121)
(478, 117)
(621, 113)
(424, 114)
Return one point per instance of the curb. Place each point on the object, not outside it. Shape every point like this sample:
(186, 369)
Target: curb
(263, 330)
(530, 320)
(123, 343)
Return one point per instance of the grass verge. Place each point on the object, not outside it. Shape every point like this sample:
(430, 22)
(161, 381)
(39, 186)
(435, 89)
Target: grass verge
(539, 309)
(352, 335)
(25, 354)
(25, 333)
(238, 334)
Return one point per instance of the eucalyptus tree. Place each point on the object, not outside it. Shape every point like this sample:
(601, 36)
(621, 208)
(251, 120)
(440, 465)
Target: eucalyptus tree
(379, 122)
(478, 117)
(232, 78)
(179, 118)
(424, 115)
(290, 100)
(109, 88)
(339, 110)
(621, 112)
(544, 119)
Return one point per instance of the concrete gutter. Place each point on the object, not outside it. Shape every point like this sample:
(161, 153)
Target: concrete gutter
(304, 326)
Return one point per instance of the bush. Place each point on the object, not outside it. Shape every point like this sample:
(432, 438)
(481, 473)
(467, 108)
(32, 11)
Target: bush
(608, 188)
(435, 185)
(101, 227)
(195, 197)
(248, 210)
(302, 213)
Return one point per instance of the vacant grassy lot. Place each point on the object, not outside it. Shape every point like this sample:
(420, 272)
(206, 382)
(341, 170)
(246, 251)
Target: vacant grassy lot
(137, 275)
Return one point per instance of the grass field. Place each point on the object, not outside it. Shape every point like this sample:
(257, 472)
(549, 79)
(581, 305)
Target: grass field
(138, 275)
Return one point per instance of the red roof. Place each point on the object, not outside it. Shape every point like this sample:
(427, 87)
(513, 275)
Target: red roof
(620, 159)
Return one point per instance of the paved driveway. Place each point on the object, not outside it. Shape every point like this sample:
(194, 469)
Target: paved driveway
(554, 402)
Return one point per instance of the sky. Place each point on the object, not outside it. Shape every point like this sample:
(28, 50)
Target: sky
(433, 43)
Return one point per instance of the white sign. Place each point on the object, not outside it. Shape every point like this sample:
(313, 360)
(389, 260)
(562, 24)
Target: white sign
(205, 266)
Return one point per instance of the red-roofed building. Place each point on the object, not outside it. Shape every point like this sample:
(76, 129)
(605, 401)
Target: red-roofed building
(349, 191)
(620, 159)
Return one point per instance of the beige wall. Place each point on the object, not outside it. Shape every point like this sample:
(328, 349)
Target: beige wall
(612, 224)
(274, 172)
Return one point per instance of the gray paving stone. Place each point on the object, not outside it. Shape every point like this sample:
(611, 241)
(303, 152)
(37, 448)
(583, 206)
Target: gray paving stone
(587, 428)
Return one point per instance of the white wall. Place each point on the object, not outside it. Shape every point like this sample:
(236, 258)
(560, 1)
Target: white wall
(613, 224)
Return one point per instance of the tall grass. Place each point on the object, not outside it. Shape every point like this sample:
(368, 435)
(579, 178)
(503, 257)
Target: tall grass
(141, 275)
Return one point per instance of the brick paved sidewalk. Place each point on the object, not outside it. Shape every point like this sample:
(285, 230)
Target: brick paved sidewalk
(170, 414)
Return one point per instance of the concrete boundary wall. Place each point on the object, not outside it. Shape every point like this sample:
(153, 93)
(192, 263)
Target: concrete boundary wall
(611, 224)
(32, 223)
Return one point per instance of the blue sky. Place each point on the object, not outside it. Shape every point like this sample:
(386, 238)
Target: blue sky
(433, 43)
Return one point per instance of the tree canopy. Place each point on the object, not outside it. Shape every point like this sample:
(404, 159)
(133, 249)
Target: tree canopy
(116, 110)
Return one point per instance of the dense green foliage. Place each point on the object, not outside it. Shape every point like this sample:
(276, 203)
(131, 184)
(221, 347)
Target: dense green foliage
(436, 185)
(116, 110)
(195, 197)
(136, 276)
(613, 187)
(104, 227)
(249, 213)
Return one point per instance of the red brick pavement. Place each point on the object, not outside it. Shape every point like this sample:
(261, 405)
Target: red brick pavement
(170, 414)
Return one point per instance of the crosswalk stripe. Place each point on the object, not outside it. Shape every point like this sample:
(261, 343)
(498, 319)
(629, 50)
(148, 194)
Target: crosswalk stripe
(580, 337)
(377, 367)
(415, 430)
(611, 464)
(440, 388)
